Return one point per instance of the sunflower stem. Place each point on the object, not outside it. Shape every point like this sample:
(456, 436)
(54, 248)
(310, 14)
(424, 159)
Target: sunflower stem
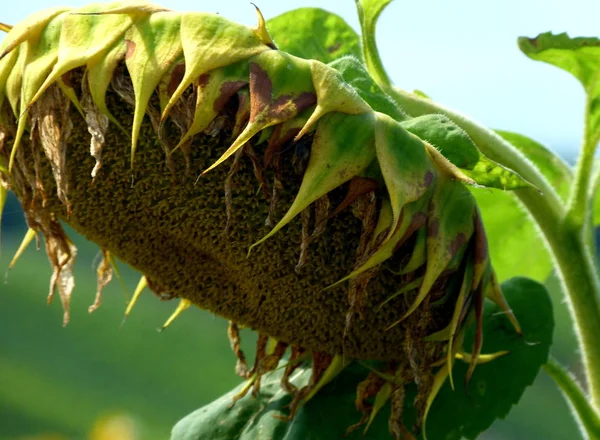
(589, 419)
(579, 200)
(369, 47)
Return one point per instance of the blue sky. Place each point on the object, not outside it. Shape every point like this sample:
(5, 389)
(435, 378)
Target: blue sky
(463, 53)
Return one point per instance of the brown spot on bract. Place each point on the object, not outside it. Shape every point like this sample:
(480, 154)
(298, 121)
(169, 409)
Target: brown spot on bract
(429, 178)
(242, 114)
(417, 222)
(228, 89)
(305, 100)
(130, 49)
(478, 342)
(176, 77)
(334, 47)
(260, 90)
(481, 244)
(282, 108)
(203, 80)
(457, 244)
(434, 227)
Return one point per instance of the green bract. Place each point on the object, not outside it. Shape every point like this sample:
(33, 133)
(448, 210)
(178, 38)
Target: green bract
(388, 261)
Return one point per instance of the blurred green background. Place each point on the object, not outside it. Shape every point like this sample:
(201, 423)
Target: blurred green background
(99, 380)
(63, 381)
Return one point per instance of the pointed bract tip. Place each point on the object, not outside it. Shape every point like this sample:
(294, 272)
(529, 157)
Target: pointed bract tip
(483, 358)
(261, 30)
(438, 381)
(29, 236)
(451, 378)
(5, 28)
(142, 284)
(381, 398)
(184, 304)
(495, 294)
(312, 120)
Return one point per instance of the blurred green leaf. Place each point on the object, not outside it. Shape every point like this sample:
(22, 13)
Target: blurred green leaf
(327, 416)
(558, 173)
(494, 388)
(579, 56)
(314, 33)
(456, 145)
(121, 368)
(514, 244)
(597, 209)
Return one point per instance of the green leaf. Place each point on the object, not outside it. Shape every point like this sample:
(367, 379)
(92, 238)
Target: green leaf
(579, 56)
(327, 416)
(355, 74)
(368, 14)
(494, 388)
(514, 244)
(314, 33)
(497, 385)
(456, 145)
(558, 173)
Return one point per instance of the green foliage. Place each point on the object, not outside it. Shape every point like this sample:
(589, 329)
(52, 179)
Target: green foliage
(552, 167)
(494, 388)
(512, 236)
(355, 74)
(263, 417)
(578, 56)
(119, 365)
(368, 14)
(314, 33)
(454, 143)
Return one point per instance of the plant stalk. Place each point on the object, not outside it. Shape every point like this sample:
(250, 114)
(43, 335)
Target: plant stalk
(579, 277)
(579, 200)
(588, 418)
(369, 46)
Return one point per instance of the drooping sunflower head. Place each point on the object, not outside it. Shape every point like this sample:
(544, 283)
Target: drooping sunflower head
(286, 195)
